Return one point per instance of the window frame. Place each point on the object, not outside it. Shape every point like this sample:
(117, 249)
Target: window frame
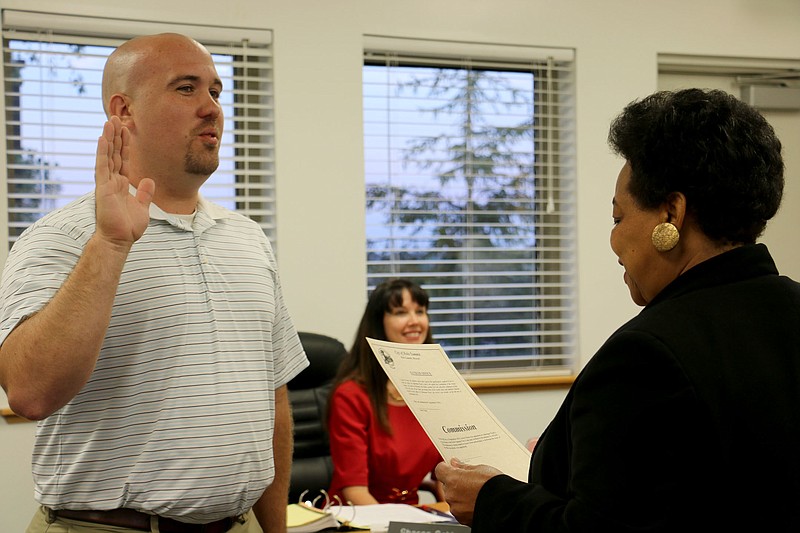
(402, 51)
(247, 182)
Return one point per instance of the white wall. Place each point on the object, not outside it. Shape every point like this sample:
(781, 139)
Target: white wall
(318, 45)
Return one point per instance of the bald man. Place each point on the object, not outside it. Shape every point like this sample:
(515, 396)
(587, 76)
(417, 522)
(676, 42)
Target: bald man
(145, 329)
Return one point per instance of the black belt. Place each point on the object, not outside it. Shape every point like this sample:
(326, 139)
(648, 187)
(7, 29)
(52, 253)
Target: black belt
(132, 519)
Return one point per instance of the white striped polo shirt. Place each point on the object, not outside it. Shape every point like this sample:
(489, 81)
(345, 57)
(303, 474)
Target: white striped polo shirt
(177, 417)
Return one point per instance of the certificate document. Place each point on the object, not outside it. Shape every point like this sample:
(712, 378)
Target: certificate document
(456, 420)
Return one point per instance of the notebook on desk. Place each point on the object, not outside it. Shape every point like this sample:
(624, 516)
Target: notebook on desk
(302, 518)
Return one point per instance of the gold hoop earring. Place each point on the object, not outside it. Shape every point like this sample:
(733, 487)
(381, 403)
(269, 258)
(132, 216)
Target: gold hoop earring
(665, 237)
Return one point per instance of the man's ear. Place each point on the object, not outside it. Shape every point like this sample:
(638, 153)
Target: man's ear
(675, 209)
(120, 105)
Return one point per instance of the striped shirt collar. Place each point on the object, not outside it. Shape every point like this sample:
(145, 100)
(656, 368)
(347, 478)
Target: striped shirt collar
(206, 214)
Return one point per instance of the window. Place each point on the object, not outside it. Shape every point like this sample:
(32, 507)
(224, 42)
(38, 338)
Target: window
(470, 190)
(52, 66)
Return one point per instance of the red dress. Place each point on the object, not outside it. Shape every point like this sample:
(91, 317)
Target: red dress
(392, 466)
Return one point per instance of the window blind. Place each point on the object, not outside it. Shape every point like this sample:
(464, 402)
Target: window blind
(53, 111)
(470, 191)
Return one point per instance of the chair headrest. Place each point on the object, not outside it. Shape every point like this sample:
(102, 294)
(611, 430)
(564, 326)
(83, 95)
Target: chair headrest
(324, 355)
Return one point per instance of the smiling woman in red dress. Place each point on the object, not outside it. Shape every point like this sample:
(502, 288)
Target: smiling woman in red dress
(380, 452)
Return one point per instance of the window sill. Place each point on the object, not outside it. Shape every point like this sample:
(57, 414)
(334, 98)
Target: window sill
(531, 383)
(478, 385)
(11, 417)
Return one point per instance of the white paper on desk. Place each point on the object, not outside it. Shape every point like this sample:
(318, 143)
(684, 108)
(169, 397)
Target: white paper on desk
(377, 517)
(456, 420)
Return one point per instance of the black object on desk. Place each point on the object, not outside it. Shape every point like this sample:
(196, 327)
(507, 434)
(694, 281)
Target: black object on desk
(434, 527)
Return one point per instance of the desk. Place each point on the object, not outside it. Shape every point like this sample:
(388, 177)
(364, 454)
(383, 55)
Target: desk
(439, 506)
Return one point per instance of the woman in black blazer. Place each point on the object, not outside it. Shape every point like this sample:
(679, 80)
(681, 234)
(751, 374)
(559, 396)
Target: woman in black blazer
(688, 417)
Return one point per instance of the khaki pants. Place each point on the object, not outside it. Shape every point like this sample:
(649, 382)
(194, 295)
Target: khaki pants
(40, 524)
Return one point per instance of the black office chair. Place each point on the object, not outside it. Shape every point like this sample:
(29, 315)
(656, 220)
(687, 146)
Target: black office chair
(312, 468)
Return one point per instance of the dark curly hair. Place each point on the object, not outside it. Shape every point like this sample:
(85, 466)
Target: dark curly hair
(360, 363)
(716, 150)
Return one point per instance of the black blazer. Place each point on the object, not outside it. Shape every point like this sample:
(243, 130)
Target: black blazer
(686, 419)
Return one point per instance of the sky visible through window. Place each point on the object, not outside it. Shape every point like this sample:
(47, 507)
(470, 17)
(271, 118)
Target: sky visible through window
(423, 136)
(426, 144)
